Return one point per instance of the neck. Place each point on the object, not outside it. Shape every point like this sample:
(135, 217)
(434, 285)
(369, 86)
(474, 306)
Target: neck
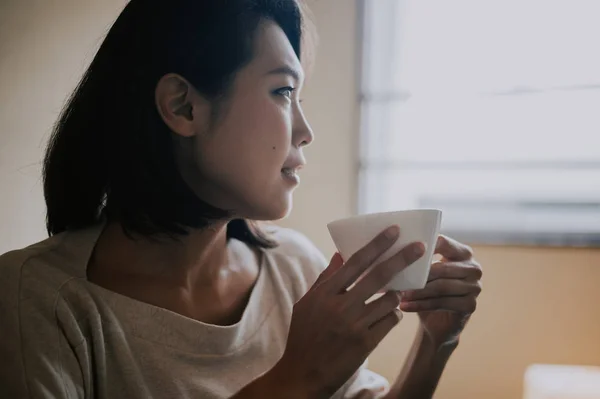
(200, 276)
(197, 258)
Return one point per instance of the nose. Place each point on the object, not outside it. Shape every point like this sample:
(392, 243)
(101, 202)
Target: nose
(302, 133)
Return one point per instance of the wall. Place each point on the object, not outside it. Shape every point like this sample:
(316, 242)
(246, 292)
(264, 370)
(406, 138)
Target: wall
(44, 49)
(538, 305)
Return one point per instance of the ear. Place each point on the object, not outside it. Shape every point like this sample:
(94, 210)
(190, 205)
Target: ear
(183, 110)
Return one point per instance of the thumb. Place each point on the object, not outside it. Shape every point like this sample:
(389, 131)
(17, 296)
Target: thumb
(335, 264)
(452, 250)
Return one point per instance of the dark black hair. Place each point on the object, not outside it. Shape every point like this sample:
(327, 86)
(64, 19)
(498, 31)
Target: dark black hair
(110, 154)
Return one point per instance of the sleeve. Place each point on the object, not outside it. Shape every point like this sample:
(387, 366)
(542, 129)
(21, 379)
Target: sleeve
(36, 358)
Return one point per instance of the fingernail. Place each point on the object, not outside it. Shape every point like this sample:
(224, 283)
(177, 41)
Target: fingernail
(419, 249)
(392, 232)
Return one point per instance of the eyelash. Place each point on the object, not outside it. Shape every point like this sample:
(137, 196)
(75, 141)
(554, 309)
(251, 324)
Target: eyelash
(289, 89)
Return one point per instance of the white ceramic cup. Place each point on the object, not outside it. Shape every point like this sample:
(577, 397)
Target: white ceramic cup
(416, 225)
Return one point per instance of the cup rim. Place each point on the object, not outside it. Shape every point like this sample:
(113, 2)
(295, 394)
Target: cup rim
(387, 213)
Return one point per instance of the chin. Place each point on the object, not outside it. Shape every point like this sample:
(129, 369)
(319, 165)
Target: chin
(272, 211)
(285, 213)
(279, 213)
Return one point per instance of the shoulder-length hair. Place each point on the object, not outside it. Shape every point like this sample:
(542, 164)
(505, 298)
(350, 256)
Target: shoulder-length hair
(110, 154)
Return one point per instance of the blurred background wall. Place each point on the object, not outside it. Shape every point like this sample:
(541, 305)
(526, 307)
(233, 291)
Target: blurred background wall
(538, 305)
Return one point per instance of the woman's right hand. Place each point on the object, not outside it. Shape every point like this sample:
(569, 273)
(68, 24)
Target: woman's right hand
(333, 331)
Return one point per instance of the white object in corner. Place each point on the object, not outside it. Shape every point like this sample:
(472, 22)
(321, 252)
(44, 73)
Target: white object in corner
(549, 381)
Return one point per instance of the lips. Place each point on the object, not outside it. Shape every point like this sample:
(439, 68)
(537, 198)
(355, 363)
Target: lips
(291, 175)
(291, 168)
(294, 164)
(289, 172)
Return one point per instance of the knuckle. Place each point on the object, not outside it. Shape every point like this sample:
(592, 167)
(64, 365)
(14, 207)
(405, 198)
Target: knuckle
(448, 290)
(358, 258)
(431, 288)
(378, 245)
(365, 256)
(436, 269)
(440, 287)
(430, 304)
(414, 252)
(403, 258)
(478, 271)
(333, 309)
(446, 271)
(343, 328)
(354, 330)
(471, 305)
(380, 241)
(383, 272)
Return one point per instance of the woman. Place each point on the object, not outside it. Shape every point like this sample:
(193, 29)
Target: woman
(156, 281)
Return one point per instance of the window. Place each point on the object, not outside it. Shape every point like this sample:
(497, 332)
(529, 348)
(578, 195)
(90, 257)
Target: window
(488, 110)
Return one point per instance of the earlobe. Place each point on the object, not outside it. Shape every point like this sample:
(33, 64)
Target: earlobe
(174, 102)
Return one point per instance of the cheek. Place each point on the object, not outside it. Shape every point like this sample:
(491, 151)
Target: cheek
(271, 122)
(265, 131)
(254, 138)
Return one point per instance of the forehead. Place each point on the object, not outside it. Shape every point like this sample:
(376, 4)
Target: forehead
(272, 49)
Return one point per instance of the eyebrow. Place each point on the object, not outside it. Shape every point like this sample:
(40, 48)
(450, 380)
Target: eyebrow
(286, 70)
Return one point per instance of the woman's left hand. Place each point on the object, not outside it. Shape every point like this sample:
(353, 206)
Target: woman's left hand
(450, 296)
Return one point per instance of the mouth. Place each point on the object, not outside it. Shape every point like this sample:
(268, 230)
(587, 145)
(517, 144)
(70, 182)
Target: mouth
(291, 174)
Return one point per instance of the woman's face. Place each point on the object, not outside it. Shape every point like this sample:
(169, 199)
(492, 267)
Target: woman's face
(247, 161)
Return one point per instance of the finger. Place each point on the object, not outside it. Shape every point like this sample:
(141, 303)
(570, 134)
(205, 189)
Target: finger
(465, 304)
(379, 308)
(334, 265)
(452, 250)
(455, 270)
(364, 258)
(381, 328)
(443, 288)
(381, 274)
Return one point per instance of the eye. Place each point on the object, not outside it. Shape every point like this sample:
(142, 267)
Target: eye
(285, 91)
